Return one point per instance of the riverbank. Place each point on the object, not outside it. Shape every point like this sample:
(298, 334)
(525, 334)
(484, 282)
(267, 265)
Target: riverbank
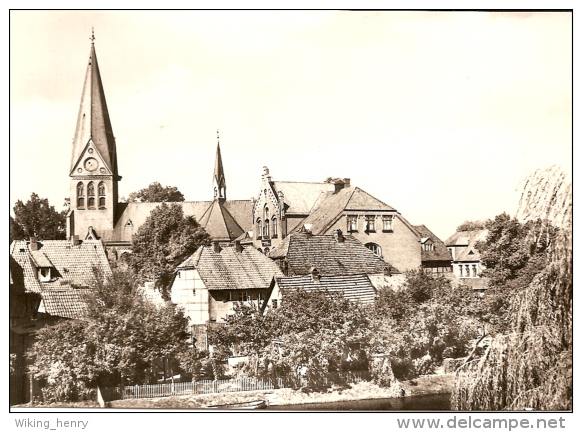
(421, 386)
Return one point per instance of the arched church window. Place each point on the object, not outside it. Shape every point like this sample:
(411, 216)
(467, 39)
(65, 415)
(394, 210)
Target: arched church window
(80, 195)
(259, 228)
(274, 226)
(266, 226)
(102, 195)
(91, 195)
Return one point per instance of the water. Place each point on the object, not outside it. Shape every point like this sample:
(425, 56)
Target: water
(414, 403)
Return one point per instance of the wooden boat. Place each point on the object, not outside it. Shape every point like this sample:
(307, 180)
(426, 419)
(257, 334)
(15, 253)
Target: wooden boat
(258, 404)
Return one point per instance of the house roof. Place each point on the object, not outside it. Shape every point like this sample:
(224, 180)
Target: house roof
(464, 241)
(301, 196)
(357, 288)
(66, 303)
(331, 257)
(440, 252)
(330, 206)
(73, 264)
(230, 269)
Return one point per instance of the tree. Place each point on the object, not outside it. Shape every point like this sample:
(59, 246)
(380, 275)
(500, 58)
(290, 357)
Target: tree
(115, 344)
(155, 192)
(472, 225)
(163, 241)
(36, 218)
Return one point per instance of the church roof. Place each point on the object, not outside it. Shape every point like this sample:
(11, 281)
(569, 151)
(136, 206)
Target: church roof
(219, 223)
(357, 288)
(229, 269)
(440, 252)
(93, 120)
(328, 255)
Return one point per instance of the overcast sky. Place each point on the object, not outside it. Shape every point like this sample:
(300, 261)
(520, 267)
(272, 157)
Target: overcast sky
(439, 114)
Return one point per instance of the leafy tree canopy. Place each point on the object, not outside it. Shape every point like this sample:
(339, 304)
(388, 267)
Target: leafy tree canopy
(163, 241)
(472, 225)
(116, 343)
(37, 218)
(155, 192)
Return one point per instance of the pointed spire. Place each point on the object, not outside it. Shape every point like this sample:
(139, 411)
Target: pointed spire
(93, 120)
(219, 180)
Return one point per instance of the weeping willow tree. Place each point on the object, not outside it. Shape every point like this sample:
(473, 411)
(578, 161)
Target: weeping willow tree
(531, 366)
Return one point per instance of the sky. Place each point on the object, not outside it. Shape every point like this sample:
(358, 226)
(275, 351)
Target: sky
(441, 115)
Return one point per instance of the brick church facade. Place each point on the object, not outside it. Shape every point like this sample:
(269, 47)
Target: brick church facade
(278, 209)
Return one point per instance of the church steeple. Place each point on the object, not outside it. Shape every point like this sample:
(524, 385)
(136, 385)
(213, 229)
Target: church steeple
(219, 180)
(93, 175)
(93, 122)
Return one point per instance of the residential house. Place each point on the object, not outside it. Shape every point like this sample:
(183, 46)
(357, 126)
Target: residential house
(209, 283)
(435, 256)
(466, 257)
(285, 207)
(48, 281)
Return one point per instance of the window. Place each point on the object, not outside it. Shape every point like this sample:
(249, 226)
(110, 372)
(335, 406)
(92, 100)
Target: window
(374, 248)
(274, 303)
(274, 227)
(194, 292)
(260, 250)
(45, 274)
(80, 195)
(240, 296)
(259, 228)
(428, 247)
(266, 250)
(388, 223)
(352, 223)
(91, 195)
(461, 270)
(370, 223)
(266, 224)
(474, 270)
(102, 195)
(467, 274)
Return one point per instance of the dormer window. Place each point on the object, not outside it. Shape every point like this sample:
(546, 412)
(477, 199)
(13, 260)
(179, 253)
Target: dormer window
(44, 274)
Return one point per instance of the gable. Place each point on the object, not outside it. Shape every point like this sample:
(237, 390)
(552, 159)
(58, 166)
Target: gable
(90, 162)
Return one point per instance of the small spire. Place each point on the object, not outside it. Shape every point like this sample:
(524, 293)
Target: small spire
(92, 38)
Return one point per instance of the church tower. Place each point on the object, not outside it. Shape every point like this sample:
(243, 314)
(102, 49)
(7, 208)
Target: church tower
(219, 180)
(93, 173)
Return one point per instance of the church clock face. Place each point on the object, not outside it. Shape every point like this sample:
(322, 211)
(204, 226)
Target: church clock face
(91, 164)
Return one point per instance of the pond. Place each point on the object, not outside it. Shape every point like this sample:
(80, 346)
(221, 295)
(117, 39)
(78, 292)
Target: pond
(438, 402)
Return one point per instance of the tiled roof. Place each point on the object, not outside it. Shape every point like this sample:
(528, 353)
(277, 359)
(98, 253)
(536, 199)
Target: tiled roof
(230, 269)
(440, 252)
(465, 244)
(357, 288)
(331, 205)
(330, 257)
(66, 303)
(219, 223)
(300, 197)
(132, 215)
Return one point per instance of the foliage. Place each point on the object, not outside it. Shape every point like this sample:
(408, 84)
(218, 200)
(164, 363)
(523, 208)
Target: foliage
(116, 344)
(155, 192)
(37, 218)
(312, 334)
(472, 225)
(531, 366)
(164, 241)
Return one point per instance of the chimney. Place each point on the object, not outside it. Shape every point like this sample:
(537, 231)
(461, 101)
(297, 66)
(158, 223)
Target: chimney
(339, 185)
(238, 246)
(75, 240)
(216, 246)
(346, 182)
(315, 277)
(339, 236)
(307, 229)
(33, 244)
